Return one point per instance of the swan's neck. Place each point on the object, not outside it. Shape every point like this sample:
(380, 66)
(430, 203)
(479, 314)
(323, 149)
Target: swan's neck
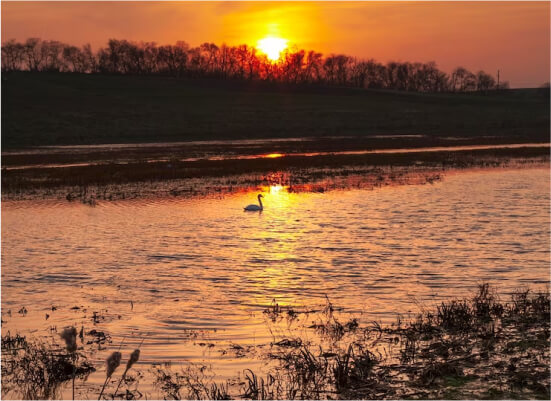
(260, 201)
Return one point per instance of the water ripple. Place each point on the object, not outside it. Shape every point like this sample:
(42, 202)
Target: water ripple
(162, 267)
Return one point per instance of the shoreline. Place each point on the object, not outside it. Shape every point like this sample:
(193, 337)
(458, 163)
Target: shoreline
(478, 347)
(43, 156)
(368, 180)
(318, 173)
(60, 163)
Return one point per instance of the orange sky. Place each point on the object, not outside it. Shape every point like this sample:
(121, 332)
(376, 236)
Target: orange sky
(510, 36)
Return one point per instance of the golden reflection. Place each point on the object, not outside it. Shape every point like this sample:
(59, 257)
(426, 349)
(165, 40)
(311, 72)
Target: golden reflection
(273, 155)
(277, 244)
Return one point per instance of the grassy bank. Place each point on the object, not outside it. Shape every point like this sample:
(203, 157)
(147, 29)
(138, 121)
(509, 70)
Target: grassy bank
(56, 109)
(113, 181)
(480, 347)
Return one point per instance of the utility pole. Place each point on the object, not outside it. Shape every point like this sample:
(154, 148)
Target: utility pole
(497, 79)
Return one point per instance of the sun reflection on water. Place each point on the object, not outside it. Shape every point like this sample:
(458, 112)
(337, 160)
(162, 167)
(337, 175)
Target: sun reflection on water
(276, 249)
(273, 155)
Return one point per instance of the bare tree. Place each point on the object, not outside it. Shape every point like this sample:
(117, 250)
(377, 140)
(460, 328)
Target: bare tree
(237, 62)
(12, 56)
(32, 54)
(484, 82)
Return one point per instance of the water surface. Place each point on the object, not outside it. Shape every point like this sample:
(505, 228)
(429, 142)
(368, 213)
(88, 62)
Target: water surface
(166, 269)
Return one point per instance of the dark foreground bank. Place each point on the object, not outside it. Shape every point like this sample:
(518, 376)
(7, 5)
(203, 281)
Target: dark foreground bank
(62, 109)
(476, 348)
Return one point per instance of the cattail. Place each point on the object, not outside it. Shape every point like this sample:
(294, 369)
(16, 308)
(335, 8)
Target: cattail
(134, 357)
(113, 363)
(69, 334)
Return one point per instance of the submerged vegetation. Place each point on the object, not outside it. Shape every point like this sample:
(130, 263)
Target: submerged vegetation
(180, 178)
(474, 348)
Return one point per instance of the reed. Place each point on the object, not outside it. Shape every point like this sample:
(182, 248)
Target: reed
(134, 357)
(69, 334)
(113, 362)
(471, 348)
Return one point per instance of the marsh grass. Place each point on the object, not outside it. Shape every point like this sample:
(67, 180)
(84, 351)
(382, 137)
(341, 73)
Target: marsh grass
(472, 348)
(35, 370)
(111, 181)
(479, 347)
(194, 382)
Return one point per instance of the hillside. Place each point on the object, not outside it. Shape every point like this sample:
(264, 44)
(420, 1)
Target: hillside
(57, 109)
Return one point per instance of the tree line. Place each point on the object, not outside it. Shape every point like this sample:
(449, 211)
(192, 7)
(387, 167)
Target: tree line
(241, 62)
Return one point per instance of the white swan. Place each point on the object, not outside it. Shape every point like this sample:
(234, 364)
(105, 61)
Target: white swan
(256, 208)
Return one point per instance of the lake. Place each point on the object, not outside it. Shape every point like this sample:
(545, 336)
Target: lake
(193, 276)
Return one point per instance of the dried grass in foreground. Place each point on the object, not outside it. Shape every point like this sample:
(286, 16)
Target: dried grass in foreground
(478, 348)
(475, 348)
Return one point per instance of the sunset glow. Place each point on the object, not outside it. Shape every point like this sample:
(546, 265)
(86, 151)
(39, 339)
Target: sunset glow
(272, 47)
(281, 200)
(510, 36)
(276, 188)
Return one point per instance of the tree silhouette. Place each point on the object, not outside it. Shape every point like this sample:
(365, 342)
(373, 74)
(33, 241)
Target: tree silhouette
(242, 62)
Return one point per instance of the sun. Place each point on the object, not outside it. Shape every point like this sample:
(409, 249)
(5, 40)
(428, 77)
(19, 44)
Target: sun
(272, 47)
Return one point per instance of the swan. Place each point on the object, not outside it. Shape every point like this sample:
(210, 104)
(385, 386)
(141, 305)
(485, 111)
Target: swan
(256, 208)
